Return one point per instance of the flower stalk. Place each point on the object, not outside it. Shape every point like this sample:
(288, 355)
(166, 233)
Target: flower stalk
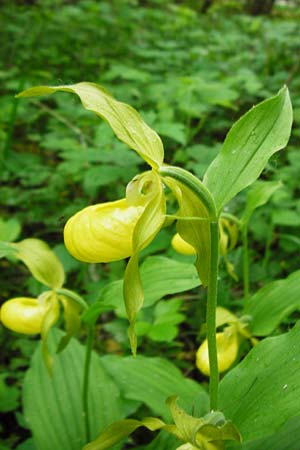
(203, 194)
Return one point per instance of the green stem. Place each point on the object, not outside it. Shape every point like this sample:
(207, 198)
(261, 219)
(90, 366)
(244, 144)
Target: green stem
(204, 195)
(211, 316)
(245, 261)
(86, 379)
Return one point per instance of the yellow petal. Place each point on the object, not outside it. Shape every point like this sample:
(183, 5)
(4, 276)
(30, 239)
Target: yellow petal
(227, 350)
(181, 246)
(23, 315)
(103, 232)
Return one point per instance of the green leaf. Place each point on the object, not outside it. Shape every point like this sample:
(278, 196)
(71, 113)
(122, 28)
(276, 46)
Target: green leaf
(9, 230)
(264, 383)
(286, 438)
(53, 405)
(41, 261)
(121, 429)
(258, 195)
(123, 119)
(162, 379)
(252, 140)
(272, 303)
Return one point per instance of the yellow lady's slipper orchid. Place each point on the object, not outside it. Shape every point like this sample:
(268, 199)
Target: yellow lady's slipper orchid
(102, 232)
(23, 315)
(181, 246)
(227, 350)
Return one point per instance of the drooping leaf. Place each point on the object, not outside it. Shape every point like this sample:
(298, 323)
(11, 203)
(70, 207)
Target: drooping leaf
(265, 383)
(123, 119)
(153, 380)
(53, 405)
(258, 195)
(252, 140)
(41, 261)
(272, 303)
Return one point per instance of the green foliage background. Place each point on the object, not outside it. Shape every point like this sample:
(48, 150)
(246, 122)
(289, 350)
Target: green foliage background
(191, 75)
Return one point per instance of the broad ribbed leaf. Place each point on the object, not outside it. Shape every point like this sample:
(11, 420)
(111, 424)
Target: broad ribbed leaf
(286, 438)
(252, 140)
(263, 391)
(152, 381)
(53, 405)
(271, 304)
(125, 121)
(258, 195)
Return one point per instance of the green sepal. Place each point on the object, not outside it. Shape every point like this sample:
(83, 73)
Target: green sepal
(120, 430)
(50, 299)
(148, 225)
(124, 120)
(72, 321)
(258, 195)
(252, 140)
(41, 261)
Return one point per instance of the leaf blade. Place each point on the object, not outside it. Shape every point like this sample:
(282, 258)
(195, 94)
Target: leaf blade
(251, 141)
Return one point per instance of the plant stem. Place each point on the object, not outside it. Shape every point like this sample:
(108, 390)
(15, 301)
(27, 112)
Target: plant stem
(204, 195)
(245, 261)
(211, 317)
(86, 379)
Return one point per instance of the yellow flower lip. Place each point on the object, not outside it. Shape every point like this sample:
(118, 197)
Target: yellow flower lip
(23, 315)
(102, 232)
(181, 246)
